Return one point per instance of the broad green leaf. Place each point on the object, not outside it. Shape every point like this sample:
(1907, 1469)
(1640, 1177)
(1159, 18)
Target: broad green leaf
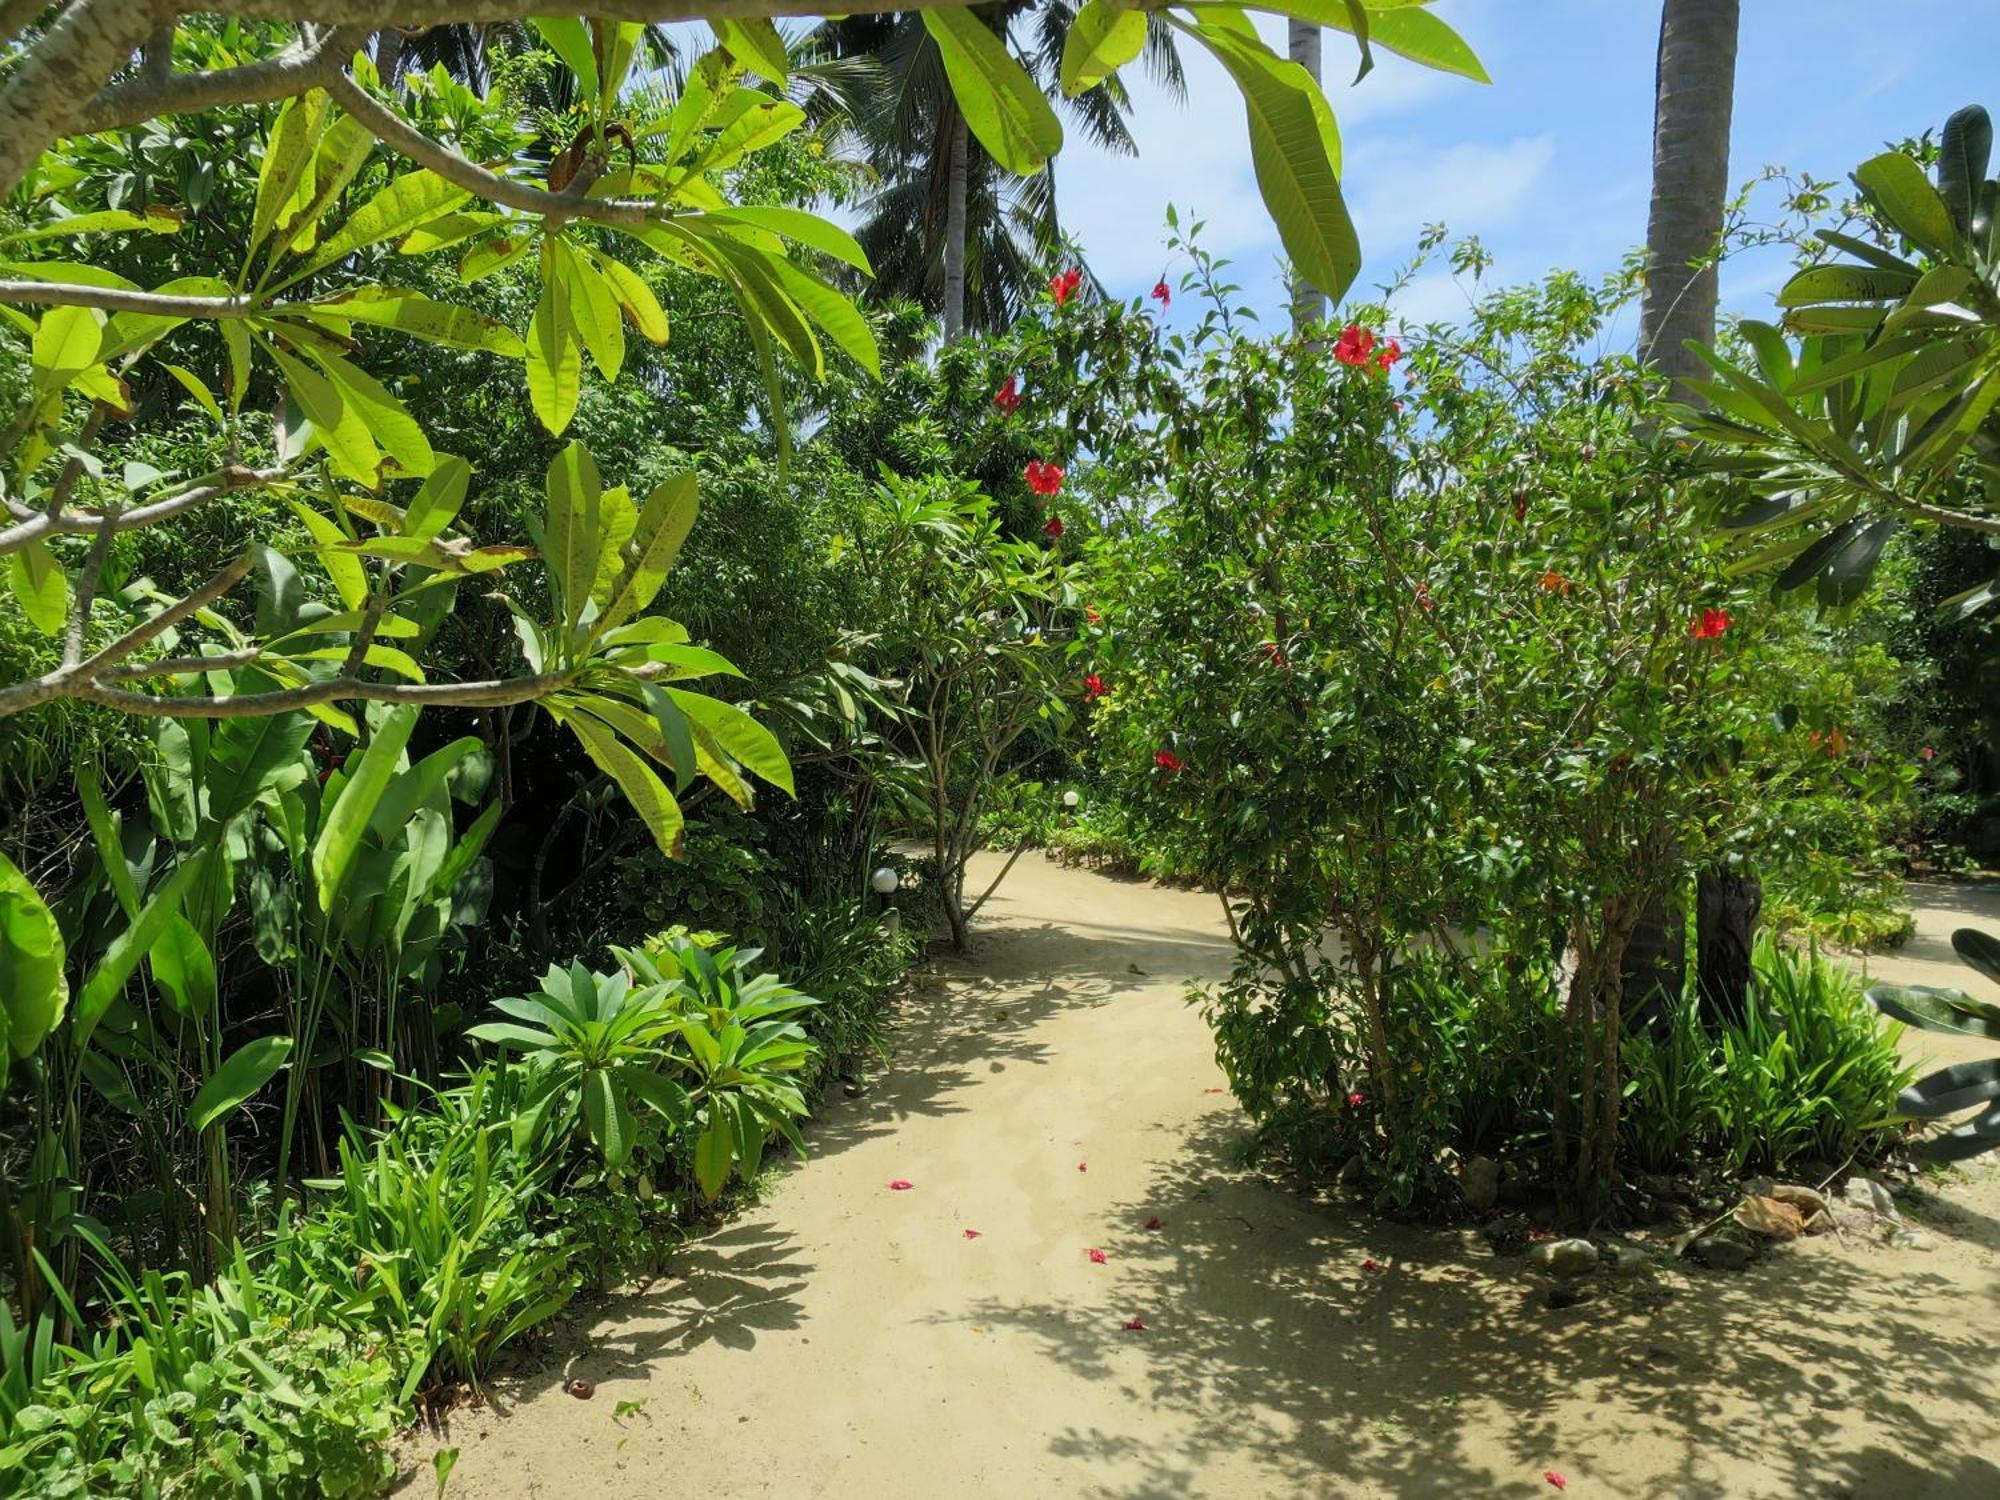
(435, 506)
(715, 1150)
(343, 151)
(157, 219)
(635, 298)
(350, 579)
(1929, 1008)
(387, 420)
(412, 199)
(1297, 169)
(841, 319)
(807, 229)
(1409, 31)
(67, 341)
(183, 967)
(570, 537)
(248, 757)
(747, 741)
(131, 945)
(236, 351)
(104, 831)
(417, 315)
(756, 44)
(1949, 1090)
(40, 586)
(342, 431)
(1003, 106)
(664, 522)
(647, 794)
(555, 361)
(496, 254)
(1978, 950)
(423, 783)
(287, 150)
(237, 1081)
(570, 39)
(617, 519)
(1845, 284)
(1897, 187)
(33, 989)
(1964, 149)
(1102, 39)
(608, 1117)
(196, 387)
(594, 310)
(451, 229)
(343, 825)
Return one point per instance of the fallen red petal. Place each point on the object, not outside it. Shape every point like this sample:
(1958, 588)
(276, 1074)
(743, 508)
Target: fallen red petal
(1371, 1266)
(1083, 1166)
(1135, 1325)
(1097, 1257)
(901, 1185)
(1555, 1479)
(972, 1234)
(1156, 1223)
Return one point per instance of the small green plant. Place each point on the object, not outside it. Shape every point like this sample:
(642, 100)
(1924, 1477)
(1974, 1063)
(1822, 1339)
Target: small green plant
(1962, 1086)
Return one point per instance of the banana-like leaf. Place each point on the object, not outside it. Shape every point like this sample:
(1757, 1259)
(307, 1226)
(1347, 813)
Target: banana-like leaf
(1952, 1089)
(33, 989)
(1929, 1008)
(237, 1081)
(342, 826)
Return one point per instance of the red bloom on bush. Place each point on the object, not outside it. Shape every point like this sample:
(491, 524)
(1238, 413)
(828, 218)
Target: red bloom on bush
(1008, 397)
(1053, 527)
(1166, 760)
(1928, 753)
(1162, 294)
(1091, 614)
(1424, 599)
(1093, 686)
(1355, 1100)
(1274, 653)
(1355, 345)
(1553, 582)
(1709, 624)
(1043, 478)
(1063, 285)
(1388, 354)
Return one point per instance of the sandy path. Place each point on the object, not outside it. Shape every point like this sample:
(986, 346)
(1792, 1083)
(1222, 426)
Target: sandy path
(844, 1340)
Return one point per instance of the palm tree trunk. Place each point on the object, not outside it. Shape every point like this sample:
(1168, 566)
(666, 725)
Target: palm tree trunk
(1302, 45)
(1694, 90)
(954, 230)
(1693, 93)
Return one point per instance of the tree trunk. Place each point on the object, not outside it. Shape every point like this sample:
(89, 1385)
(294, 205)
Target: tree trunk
(954, 231)
(1302, 45)
(389, 58)
(1693, 91)
(1727, 903)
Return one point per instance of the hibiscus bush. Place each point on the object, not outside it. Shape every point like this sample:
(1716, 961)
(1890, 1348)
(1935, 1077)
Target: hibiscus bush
(1423, 658)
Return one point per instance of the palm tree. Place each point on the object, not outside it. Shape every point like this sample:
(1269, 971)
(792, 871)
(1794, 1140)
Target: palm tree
(1302, 45)
(1693, 96)
(950, 229)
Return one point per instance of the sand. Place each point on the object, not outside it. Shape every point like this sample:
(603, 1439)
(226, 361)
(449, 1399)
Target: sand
(1054, 1092)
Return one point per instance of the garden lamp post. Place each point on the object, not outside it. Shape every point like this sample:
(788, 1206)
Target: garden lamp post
(885, 881)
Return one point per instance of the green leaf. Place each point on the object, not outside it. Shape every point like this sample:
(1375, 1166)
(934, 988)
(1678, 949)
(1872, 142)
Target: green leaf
(249, 757)
(1897, 187)
(435, 506)
(342, 431)
(570, 39)
(570, 537)
(1845, 284)
(387, 420)
(647, 794)
(287, 150)
(1296, 160)
(1964, 149)
(1929, 1008)
(715, 1150)
(595, 311)
(841, 319)
(635, 299)
(555, 362)
(350, 579)
(1951, 1089)
(40, 586)
(1102, 39)
(664, 522)
(412, 199)
(104, 831)
(808, 229)
(607, 1116)
(1002, 105)
(33, 989)
(131, 945)
(492, 255)
(237, 1081)
(340, 833)
(756, 44)
(1978, 950)
(1408, 31)
(66, 343)
(196, 387)
(183, 967)
(417, 315)
(747, 741)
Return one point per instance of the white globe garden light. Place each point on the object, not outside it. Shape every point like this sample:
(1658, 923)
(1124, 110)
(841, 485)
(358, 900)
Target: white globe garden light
(1070, 799)
(885, 881)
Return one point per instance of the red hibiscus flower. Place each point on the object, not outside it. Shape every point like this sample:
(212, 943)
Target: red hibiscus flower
(1008, 397)
(1553, 582)
(1928, 753)
(1166, 760)
(1053, 527)
(1135, 1325)
(1355, 345)
(901, 1185)
(1091, 615)
(1161, 293)
(972, 1234)
(1555, 1479)
(1043, 478)
(1063, 285)
(1097, 1257)
(1093, 686)
(1355, 1100)
(1710, 624)
(1274, 653)
(1388, 354)
(1156, 1222)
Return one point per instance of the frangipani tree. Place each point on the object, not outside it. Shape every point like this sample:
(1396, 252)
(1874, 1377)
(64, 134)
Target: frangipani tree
(348, 188)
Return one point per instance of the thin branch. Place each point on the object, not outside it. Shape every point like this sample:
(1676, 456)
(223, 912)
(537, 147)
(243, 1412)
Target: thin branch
(303, 66)
(402, 136)
(416, 15)
(86, 589)
(492, 694)
(117, 299)
(40, 525)
(181, 666)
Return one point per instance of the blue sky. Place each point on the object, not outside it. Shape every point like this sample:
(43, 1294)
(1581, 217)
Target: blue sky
(1549, 164)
